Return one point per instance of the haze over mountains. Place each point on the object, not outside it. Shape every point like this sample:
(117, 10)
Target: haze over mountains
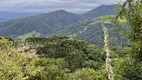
(4, 15)
(101, 10)
(60, 22)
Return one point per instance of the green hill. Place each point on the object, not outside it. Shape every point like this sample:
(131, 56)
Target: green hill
(92, 31)
(46, 23)
(61, 22)
(101, 11)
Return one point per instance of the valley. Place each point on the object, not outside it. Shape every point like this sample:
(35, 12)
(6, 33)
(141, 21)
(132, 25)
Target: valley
(104, 43)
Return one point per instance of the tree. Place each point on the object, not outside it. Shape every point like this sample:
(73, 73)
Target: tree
(87, 74)
(50, 72)
(52, 69)
(131, 68)
(14, 65)
(132, 10)
(77, 53)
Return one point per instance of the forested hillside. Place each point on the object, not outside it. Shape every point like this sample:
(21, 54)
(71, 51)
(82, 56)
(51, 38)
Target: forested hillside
(101, 11)
(92, 31)
(77, 54)
(46, 23)
(62, 23)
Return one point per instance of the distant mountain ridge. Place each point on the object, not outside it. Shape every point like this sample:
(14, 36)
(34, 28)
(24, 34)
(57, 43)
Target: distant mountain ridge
(101, 11)
(4, 16)
(60, 22)
(45, 23)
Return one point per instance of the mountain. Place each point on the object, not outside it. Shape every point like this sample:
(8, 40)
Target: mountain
(85, 26)
(11, 15)
(92, 31)
(101, 11)
(45, 23)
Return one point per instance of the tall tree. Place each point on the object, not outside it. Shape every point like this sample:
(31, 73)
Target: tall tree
(132, 11)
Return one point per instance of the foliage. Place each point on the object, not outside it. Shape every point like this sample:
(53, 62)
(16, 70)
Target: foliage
(62, 23)
(125, 67)
(87, 74)
(75, 60)
(35, 42)
(77, 53)
(132, 10)
(101, 11)
(39, 41)
(27, 35)
(52, 69)
(14, 65)
(50, 72)
(121, 51)
(130, 69)
(47, 23)
(63, 58)
(8, 38)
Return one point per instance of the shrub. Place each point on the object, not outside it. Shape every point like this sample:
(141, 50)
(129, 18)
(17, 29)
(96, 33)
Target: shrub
(87, 74)
(15, 65)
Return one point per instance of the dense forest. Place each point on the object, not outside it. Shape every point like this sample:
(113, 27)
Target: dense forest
(84, 26)
(64, 57)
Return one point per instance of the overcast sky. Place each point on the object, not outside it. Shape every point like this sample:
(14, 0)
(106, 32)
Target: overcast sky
(75, 6)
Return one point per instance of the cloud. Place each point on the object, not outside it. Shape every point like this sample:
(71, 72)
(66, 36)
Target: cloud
(51, 5)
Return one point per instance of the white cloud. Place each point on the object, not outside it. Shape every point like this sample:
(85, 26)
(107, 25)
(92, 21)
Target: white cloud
(51, 5)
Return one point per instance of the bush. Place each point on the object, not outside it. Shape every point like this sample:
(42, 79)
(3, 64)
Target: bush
(52, 72)
(15, 65)
(52, 69)
(87, 74)
(77, 53)
(131, 70)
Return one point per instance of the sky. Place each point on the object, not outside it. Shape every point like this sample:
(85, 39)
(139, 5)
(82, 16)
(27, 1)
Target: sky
(75, 6)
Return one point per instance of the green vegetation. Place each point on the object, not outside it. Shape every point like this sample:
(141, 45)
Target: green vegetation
(62, 23)
(101, 11)
(65, 58)
(76, 53)
(134, 18)
(46, 24)
(27, 35)
(60, 58)
(15, 65)
(132, 66)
